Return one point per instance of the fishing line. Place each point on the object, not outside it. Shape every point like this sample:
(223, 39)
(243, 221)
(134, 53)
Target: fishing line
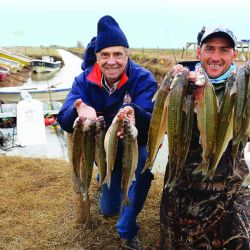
(167, 34)
(169, 40)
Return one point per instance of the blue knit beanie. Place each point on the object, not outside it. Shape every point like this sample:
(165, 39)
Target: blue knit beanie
(89, 57)
(109, 34)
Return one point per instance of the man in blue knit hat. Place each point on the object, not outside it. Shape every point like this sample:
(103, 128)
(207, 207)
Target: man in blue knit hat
(111, 86)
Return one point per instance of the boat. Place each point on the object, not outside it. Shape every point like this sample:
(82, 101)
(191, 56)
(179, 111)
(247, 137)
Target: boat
(24, 60)
(8, 67)
(52, 93)
(12, 64)
(46, 64)
(9, 110)
(4, 72)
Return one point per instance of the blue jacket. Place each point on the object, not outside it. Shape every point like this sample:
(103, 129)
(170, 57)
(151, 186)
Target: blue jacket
(136, 88)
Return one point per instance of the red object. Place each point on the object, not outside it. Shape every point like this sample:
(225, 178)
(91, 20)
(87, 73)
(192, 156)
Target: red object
(48, 120)
(3, 73)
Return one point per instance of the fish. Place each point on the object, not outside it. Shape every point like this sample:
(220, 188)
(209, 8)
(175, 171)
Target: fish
(247, 107)
(129, 158)
(186, 136)
(225, 124)
(207, 112)
(110, 144)
(240, 102)
(157, 126)
(239, 109)
(100, 154)
(175, 102)
(87, 161)
(246, 182)
(77, 145)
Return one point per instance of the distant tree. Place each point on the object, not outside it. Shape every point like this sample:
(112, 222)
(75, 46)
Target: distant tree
(79, 44)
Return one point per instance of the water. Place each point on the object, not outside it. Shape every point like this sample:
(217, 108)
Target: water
(63, 77)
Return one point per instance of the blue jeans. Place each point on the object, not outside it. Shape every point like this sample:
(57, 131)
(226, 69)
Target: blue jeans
(110, 199)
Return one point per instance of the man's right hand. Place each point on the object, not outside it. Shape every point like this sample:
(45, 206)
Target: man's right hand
(85, 110)
(193, 76)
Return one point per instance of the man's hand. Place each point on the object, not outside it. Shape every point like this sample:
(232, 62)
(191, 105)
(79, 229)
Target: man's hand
(193, 76)
(84, 110)
(130, 114)
(178, 68)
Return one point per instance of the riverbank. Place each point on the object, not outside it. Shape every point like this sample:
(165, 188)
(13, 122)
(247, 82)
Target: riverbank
(19, 78)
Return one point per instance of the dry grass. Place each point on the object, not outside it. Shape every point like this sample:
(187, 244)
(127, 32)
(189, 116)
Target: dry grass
(37, 210)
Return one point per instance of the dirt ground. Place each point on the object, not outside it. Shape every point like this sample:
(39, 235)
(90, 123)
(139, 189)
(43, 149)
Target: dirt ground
(37, 210)
(17, 79)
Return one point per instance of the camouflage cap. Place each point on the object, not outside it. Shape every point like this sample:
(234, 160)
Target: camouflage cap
(219, 31)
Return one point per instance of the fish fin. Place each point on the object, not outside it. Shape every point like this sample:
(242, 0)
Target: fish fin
(99, 189)
(166, 103)
(233, 89)
(210, 174)
(125, 202)
(134, 179)
(84, 193)
(169, 185)
(107, 180)
(155, 96)
(145, 167)
(185, 106)
(75, 122)
(203, 167)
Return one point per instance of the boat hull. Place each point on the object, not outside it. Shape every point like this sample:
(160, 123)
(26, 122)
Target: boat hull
(53, 94)
(16, 58)
(40, 66)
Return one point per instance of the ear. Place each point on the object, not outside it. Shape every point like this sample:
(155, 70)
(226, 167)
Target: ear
(97, 58)
(198, 53)
(235, 54)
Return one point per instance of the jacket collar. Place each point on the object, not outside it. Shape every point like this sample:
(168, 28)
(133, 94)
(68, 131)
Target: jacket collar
(95, 76)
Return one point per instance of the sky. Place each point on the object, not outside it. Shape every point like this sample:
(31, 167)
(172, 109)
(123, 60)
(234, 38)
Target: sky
(146, 23)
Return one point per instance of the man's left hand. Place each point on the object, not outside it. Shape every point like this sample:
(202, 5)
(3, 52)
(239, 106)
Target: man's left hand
(130, 114)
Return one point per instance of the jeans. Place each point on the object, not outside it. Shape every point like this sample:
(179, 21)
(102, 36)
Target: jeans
(110, 199)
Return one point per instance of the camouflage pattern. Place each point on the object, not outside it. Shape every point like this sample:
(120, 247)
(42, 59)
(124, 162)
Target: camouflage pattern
(213, 214)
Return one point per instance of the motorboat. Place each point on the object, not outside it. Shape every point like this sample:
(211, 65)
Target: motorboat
(46, 64)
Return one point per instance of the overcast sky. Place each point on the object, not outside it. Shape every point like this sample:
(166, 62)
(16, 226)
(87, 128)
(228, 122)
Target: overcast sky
(146, 23)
